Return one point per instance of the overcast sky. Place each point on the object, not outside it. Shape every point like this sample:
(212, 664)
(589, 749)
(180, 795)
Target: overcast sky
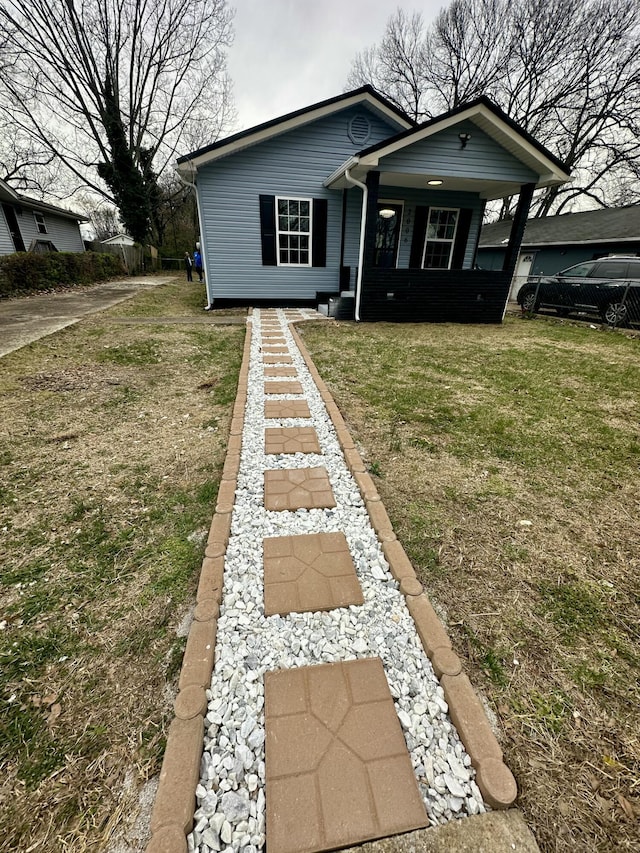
(289, 54)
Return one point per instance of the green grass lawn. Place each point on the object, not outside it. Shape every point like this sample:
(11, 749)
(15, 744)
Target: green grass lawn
(112, 439)
(509, 460)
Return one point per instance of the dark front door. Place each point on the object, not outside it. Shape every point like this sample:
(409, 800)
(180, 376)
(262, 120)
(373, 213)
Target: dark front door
(387, 234)
(12, 222)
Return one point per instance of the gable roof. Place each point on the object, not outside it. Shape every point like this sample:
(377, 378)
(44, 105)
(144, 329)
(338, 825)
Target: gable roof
(615, 224)
(10, 195)
(490, 119)
(364, 95)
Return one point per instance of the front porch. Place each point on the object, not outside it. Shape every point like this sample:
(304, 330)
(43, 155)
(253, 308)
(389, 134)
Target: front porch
(417, 202)
(434, 296)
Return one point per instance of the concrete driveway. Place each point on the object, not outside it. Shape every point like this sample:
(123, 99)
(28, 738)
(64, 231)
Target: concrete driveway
(28, 318)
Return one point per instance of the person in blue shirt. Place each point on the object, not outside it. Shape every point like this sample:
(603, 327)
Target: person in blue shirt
(197, 262)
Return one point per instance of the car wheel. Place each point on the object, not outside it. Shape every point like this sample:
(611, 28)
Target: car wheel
(529, 302)
(616, 314)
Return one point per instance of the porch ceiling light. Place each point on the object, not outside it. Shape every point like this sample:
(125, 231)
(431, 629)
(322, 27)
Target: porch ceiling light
(387, 213)
(434, 183)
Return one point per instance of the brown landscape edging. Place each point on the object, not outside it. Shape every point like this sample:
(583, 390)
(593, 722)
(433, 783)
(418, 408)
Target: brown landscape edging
(496, 782)
(174, 806)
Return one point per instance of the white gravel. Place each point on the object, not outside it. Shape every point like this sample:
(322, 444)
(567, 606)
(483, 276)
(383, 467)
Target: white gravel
(230, 814)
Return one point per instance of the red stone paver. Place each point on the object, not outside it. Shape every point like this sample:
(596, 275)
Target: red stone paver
(286, 409)
(291, 440)
(282, 387)
(280, 371)
(338, 770)
(277, 359)
(309, 572)
(297, 488)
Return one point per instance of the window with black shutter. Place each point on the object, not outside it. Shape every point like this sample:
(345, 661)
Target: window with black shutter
(293, 231)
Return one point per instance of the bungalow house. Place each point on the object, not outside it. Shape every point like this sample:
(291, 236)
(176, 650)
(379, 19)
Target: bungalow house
(553, 243)
(350, 198)
(30, 225)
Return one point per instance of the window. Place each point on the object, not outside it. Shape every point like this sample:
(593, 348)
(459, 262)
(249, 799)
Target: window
(615, 270)
(42, 228)
(440, 237)
(294, 231)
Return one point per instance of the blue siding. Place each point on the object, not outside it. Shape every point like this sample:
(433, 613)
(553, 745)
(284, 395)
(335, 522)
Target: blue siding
(442, 154)
(294, 164)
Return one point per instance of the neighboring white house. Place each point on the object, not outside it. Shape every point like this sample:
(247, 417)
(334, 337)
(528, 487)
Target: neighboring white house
(119, 240)
(29, 225)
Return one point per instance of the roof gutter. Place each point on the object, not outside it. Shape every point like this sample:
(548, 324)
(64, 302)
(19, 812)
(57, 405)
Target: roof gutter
(194, 169)
(363, 221)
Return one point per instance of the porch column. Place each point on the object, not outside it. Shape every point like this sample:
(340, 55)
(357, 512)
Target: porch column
(517, 228)
(373, 184)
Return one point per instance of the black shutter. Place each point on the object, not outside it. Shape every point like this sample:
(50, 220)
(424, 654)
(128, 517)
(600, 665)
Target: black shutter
(419, 233)
(462, 236)
(268, 230)
(319, 236)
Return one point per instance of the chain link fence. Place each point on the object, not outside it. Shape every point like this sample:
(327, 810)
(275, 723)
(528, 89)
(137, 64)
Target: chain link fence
(615, 302)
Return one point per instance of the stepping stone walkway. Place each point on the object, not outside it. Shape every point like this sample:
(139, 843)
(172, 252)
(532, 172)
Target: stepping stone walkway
(325, 724)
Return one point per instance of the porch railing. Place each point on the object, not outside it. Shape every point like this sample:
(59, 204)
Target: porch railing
(436, 296)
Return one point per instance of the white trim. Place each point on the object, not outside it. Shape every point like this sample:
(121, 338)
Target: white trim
(309, 234)
(277, 128)
(36, 214)
(452, 242)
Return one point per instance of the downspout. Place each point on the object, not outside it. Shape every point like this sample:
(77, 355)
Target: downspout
(363, 222)
(202, 251)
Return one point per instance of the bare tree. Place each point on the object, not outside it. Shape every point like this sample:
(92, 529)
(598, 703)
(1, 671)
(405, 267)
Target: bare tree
(568, 71)
(112, 87)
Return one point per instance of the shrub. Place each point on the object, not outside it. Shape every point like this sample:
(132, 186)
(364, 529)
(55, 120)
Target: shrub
(25, 272)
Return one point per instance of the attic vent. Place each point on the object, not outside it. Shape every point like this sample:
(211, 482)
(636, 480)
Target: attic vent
(359, 129)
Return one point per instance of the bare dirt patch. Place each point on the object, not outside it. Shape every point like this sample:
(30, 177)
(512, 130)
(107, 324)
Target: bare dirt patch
(507, 458)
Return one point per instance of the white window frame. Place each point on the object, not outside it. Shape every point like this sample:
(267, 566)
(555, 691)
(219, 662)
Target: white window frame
(40, 223)
(293, 233)
(451, 242)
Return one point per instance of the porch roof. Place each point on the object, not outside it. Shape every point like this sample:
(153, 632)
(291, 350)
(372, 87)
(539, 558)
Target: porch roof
(492, 121)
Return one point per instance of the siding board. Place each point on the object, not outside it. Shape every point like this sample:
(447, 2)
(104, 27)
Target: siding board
(6, 243)
(443, 154)
(63, 233)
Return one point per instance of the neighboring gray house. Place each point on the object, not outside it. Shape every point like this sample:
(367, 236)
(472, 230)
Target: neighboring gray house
(554, 243)
(350, 197)
(30, 225)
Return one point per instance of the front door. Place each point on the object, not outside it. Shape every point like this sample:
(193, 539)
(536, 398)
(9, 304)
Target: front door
(12, 222)
(387, 234)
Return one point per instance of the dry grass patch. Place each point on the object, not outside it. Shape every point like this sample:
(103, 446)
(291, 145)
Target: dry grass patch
(178, 299)
(508, 458)
(111, 444)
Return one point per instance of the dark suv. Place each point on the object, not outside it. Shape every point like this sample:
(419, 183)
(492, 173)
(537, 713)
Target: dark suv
(609, 287)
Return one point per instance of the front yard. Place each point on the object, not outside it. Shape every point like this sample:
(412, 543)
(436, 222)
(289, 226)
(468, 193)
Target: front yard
(508, 459)
(112, 438)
